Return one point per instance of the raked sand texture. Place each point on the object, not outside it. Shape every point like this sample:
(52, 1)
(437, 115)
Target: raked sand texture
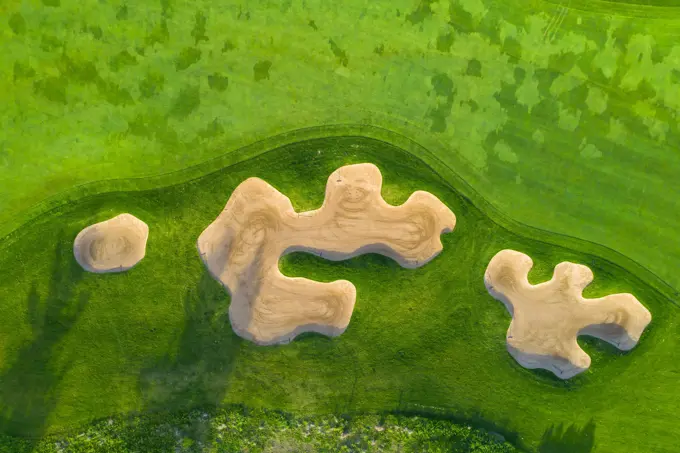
(114, 245)
(242, 247)
(547, 318)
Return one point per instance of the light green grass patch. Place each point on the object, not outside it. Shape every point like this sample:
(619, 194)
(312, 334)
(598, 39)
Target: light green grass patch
(597, 100)
(505, 152)
(569, 118)
(657, 128)
(606, 60)
(506, 30)
(528, 94)
(476, 8)
(617, 131)
(538, 136)
(639, 60)
(589, 151)
(567, 82)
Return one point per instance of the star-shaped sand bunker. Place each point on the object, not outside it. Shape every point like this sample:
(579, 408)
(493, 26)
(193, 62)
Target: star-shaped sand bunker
(547, 318)
(242, 248)
(114, 245)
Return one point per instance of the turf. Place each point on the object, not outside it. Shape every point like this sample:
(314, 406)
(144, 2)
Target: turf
(561, 114)
(76, 347)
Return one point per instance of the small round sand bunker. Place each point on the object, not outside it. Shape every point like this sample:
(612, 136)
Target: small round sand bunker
(114, 245)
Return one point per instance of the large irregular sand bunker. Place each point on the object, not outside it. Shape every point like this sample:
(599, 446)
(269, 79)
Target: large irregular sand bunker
(242, 247)
(114, 245)
(547, 318)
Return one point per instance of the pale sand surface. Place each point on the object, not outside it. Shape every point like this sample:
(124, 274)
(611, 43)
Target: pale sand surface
(242, 247)
(547, 318)
(114, 245)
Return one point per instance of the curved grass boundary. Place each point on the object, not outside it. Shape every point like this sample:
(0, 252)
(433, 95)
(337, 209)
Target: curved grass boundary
(449, 176)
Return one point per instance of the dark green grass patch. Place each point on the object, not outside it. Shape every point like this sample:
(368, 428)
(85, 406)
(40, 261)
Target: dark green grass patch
(76, 346)
(238, 429)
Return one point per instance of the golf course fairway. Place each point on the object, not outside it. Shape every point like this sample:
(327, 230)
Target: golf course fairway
(550, 128)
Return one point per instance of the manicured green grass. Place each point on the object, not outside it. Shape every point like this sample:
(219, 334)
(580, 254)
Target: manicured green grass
(563, 114)
(76, 346)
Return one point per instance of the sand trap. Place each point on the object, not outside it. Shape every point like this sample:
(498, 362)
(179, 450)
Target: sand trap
(242, 247)
(114, 245)
(547, 318)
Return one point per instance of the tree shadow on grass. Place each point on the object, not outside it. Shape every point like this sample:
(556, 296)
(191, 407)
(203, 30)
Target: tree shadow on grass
(196, 373)
(558, 439)
(29, 387)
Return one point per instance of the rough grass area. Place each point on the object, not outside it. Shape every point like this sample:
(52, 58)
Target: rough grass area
(232, 430)
(75, 347)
